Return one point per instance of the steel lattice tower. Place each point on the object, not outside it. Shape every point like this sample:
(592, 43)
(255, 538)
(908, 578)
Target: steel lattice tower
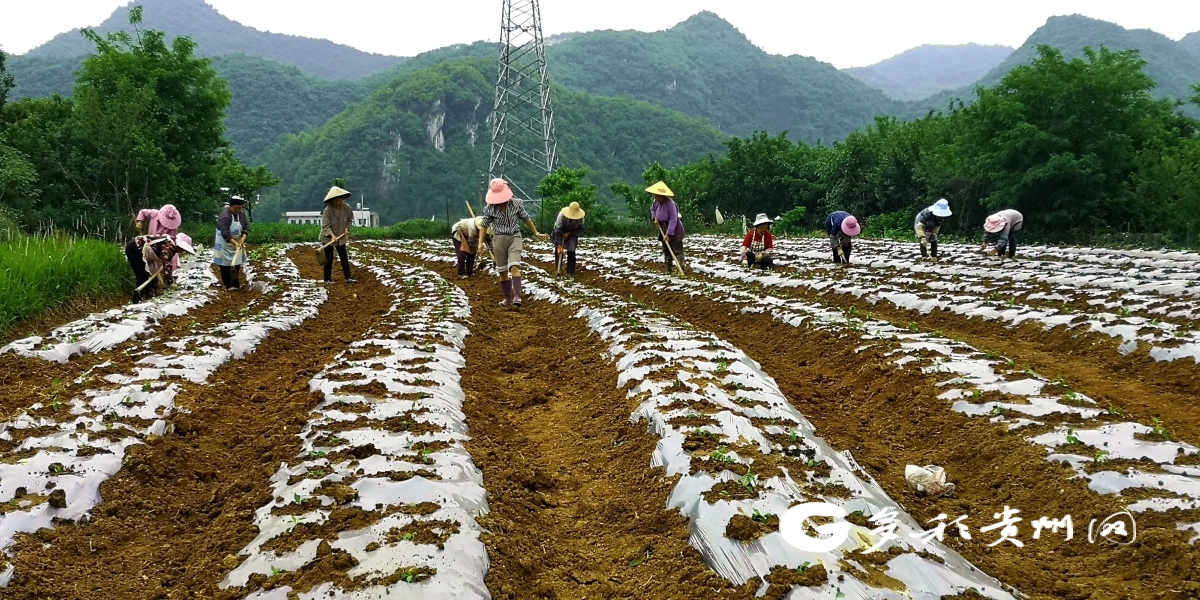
(523, 117)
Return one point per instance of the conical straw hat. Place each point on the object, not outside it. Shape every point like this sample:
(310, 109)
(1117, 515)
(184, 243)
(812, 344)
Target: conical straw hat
(574, 211)
(336, 192)
(661, 189)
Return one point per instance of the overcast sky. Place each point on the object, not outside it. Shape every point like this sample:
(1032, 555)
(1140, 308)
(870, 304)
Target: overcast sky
(846, 33)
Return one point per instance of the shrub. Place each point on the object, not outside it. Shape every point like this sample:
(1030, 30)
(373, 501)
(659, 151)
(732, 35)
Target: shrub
(37, 273)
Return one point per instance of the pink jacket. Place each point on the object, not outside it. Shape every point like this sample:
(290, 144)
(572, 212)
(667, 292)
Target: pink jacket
(147, 215)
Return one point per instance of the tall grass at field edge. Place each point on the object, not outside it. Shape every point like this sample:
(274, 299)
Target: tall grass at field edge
(37, 273)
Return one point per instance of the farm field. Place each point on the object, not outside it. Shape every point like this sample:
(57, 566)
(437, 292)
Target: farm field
(625, 434)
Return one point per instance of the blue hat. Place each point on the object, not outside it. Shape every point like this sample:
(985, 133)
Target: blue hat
(941, 208)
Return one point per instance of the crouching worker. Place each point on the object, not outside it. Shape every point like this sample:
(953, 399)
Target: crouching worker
(152, 258)
(841, 227)
(502, 218)
(567, 228)
(465, 237)
(928, 223)
(665, 214)
(1000, 231)
(336, 219)
(758, 244)
(229, 246)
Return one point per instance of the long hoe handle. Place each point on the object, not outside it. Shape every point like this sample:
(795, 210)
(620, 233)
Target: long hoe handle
(331, 242)
(678, 265)
(157, 275)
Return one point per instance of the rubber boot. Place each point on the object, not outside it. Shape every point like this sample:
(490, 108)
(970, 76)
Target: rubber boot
(846, 251)
(507, 286)
(516, 291)
(571, 264)
(924, 251)
(933, 249)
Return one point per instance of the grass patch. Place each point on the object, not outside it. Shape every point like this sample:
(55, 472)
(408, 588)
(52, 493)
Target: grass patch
(37, 273)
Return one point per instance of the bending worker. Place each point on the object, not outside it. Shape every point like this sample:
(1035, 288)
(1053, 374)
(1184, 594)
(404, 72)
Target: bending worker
(1000, 230)
(665, 214)
(928, 224)
(465, 237)
(841, 227)
(336, 219)
(758, 244)
(567, 228)
(154, 256)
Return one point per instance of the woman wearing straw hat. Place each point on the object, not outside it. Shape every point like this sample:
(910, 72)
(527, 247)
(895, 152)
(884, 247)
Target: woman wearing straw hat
(567, 228)
(164, 221)
(665, 214)
(335, 224)
(841, 227)
(502, 218)
(758, 244)
(465, 237)
(155, 256)
(928, 223)
(229, 247)
(1000, 230)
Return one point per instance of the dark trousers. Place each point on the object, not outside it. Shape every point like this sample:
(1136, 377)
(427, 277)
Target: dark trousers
(466, 262)
(765, 262)
(1011, 248)
(569, 256)
(133, 254)
(845, 250)
(932, 249)
(342, 256)
(231, 277)
(676, 246)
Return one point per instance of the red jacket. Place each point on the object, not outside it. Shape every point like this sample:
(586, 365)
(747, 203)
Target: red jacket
(754, 239)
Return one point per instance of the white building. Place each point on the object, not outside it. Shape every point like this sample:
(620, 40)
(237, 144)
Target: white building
(362, 218)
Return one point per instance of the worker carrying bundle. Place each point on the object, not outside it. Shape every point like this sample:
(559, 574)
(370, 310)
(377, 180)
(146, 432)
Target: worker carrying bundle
(928, 223)
(465, 238)
(841, 227)
(665, 214)
(568, 226)
(1000, 231)
(152, 258)
(759, 244)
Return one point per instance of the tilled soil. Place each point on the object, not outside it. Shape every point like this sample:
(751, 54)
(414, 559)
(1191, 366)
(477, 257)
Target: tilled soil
(890, 417)
(176, 515)
(576, 509)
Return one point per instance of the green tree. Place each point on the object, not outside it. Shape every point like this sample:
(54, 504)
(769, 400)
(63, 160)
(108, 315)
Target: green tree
(564, 186)
(6, 79)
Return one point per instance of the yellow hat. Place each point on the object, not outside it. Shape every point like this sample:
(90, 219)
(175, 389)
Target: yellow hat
(573, 211)
(336, 192)
(661, 189)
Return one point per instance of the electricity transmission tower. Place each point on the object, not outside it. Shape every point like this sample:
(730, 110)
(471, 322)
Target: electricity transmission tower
(523, 143)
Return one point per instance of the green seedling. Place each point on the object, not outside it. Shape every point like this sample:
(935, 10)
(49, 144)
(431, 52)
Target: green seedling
(408, 537)
(1072, 396)
(316, 454)
(721, 455)
(1072, 438)
(802, 568)
(813, 463)
(296, 499)
(997, 410)
(722, 367)
(759, 517)
(793, 436)
(703, 433)
(749, 481)
(1101, 457)
(146, 387)
(411, 576)
(275, 571)
(199, 352)
(978, 394)
(1010, 363)
(426, 456)
(913, 327)
(1158, 429)
(1113, 410)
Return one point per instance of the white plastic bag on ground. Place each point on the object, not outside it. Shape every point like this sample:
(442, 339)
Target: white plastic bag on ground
(928, 480)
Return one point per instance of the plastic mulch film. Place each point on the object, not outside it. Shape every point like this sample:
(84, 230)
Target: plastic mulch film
(83, 441)
(385, 446)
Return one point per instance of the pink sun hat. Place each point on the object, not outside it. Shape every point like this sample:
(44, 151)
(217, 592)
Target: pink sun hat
(169, 217)
(994, 224)
(183, 241)
(850, 226)
(498, 192)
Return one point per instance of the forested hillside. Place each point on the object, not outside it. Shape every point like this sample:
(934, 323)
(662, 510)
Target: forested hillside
(926, 70)
(706, 68)
(418, 147)
(214, 34)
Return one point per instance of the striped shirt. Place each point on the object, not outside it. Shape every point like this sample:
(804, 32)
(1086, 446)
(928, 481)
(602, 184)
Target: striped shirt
(506, 218)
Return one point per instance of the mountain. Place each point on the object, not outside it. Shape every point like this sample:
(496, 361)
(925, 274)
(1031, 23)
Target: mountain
(419, 145)
(215, 35)
(706, 68)
(926, 70)
(1168, 62)
(1191, 42)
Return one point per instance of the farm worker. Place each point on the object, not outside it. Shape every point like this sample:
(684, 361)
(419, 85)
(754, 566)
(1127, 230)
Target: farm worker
(665, 214)
(1000, 230)
(841, 227)
(164, 221)
(149, 255)
(502, 218)
(928, 224)
(232, 228)
(335, 223)
(759, 243)
(465, 237)
(567, 228)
